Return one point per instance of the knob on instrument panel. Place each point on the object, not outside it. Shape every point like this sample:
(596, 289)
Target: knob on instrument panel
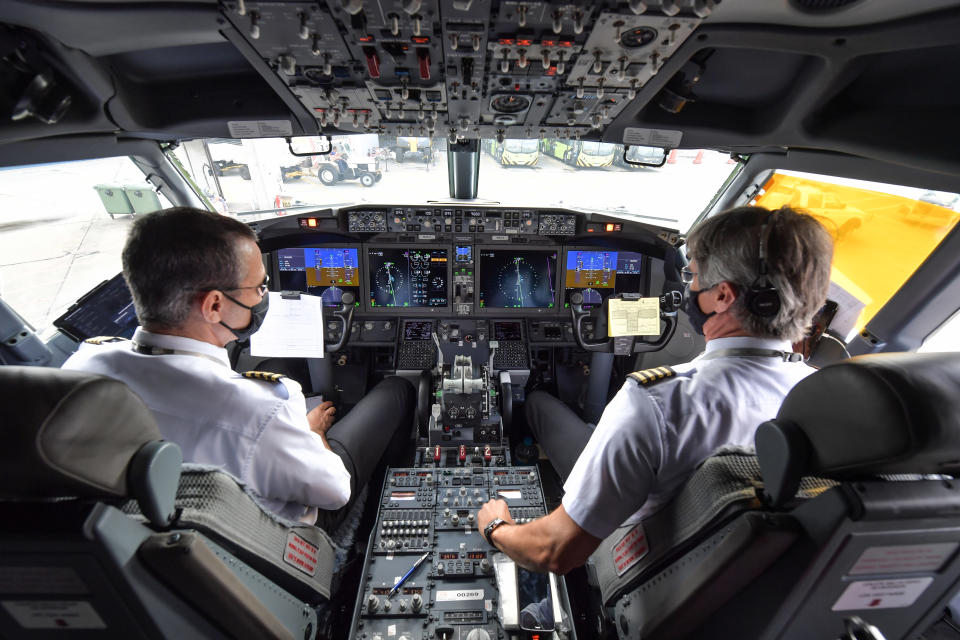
(478, 634)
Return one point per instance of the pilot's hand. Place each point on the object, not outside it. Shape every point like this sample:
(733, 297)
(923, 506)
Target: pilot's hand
(492, 510)
(320, 417)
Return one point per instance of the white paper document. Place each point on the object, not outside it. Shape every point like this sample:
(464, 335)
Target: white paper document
(633, 317)
(293, 328)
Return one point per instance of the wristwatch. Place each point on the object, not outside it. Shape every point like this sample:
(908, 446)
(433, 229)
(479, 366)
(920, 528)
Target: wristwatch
(488, 530)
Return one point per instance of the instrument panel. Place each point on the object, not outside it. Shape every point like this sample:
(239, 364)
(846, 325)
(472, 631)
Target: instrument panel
(459, 261)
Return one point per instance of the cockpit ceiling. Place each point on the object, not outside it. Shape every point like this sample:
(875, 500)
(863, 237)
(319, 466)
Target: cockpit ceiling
(865, 79)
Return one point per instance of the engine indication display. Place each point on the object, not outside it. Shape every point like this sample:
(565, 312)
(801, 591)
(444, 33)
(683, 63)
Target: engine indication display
(327, 272)
(599, 274)
(517, 279)
(408, 277)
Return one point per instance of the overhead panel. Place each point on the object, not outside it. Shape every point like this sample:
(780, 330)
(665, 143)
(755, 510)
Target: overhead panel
(464, 68)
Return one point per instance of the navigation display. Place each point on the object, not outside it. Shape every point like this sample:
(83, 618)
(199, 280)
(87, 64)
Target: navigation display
(408, 277)
(327, 272)
(517, 279)
(600, 274)
(105, 311)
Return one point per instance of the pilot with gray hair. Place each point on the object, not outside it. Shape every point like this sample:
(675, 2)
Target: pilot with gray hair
(756, 279)
(198, 283)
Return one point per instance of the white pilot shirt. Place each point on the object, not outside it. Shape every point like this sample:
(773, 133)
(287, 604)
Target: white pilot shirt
(650, 438)
(255, 430)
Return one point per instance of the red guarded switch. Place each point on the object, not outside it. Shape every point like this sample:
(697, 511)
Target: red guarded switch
(423, 58)
(487, 454)
(463, 453)
(436, 453)
(373, 61)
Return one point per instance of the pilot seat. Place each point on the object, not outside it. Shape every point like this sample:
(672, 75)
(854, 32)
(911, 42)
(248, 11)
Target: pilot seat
(844, 521)
(102, 530)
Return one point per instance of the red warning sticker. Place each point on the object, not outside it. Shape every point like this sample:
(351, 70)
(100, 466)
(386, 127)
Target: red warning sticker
(300, 554)
(631, 548)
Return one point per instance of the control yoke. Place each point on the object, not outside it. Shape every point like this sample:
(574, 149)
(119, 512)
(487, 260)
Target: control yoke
(345, 313)
(669, 306)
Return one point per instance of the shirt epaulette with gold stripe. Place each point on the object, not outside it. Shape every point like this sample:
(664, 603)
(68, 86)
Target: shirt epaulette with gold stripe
(105, 340)
(651, 376)
(263, 375)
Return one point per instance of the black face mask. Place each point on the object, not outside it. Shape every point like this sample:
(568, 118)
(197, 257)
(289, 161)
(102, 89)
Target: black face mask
(692, 308)
(257, 313)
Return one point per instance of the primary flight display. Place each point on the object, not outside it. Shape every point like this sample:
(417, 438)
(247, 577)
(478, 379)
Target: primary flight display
(327, 272)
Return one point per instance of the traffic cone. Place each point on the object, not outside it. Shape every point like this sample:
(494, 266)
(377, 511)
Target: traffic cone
(699, 158)
(672, 158)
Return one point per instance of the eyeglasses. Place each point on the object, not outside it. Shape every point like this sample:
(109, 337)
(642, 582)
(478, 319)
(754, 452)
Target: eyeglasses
(687, 276)
(261, 288)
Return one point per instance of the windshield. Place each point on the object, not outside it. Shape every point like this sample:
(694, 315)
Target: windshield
(257, 178)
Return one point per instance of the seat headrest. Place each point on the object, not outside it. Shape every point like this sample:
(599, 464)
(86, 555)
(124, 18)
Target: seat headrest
(870, 415)
(68, 433)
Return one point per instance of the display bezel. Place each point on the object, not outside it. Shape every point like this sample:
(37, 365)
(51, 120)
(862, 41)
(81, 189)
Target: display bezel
(644, 275)
(502, 311)
(275, 265)
(407, 311)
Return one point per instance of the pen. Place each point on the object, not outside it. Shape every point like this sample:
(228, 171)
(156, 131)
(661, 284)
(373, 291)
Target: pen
(407, 574)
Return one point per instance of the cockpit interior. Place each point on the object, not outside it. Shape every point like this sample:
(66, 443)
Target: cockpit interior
(487, 199)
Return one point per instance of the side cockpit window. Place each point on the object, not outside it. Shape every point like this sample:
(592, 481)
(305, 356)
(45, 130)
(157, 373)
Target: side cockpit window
(881, 232)
(62, 228)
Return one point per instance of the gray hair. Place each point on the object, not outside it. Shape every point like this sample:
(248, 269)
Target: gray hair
(799, 251)
(172, 255)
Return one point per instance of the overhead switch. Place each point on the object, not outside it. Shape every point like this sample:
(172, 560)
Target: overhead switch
(423, 61)
(373, 61)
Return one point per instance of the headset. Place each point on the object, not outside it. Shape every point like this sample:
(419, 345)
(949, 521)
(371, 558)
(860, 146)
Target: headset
(762, 298)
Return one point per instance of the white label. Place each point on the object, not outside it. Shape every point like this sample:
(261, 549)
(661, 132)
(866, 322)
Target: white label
(426, 236)
(905, 558)
(630, 550)
(259, 128)
(511, 231)
(500, 238)
(488, 605)
(54, 614)
(392, 630)
(881, 594)
(26, 580)
(666, 138)
(459, 594)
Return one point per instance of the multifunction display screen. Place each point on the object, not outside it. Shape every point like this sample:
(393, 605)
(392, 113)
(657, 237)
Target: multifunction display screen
(326, 272)
(406, 277)
(600, 274)
(517, 279)
(417, 330)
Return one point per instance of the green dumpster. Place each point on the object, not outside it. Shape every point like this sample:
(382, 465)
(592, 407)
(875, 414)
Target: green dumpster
(115, 199)
(144, 199)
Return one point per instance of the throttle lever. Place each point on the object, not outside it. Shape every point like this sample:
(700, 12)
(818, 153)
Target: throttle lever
(345, 314)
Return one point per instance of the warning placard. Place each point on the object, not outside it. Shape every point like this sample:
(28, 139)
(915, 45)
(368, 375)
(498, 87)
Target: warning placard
(881, 594)
(903, 558)
(631, 548)
(300, 554)
(54, 614)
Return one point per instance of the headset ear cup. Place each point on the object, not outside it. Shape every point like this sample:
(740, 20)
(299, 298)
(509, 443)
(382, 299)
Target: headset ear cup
(763, 300)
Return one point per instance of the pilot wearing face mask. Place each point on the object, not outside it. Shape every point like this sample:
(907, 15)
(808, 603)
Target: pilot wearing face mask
(198, 283)
(755, 280)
